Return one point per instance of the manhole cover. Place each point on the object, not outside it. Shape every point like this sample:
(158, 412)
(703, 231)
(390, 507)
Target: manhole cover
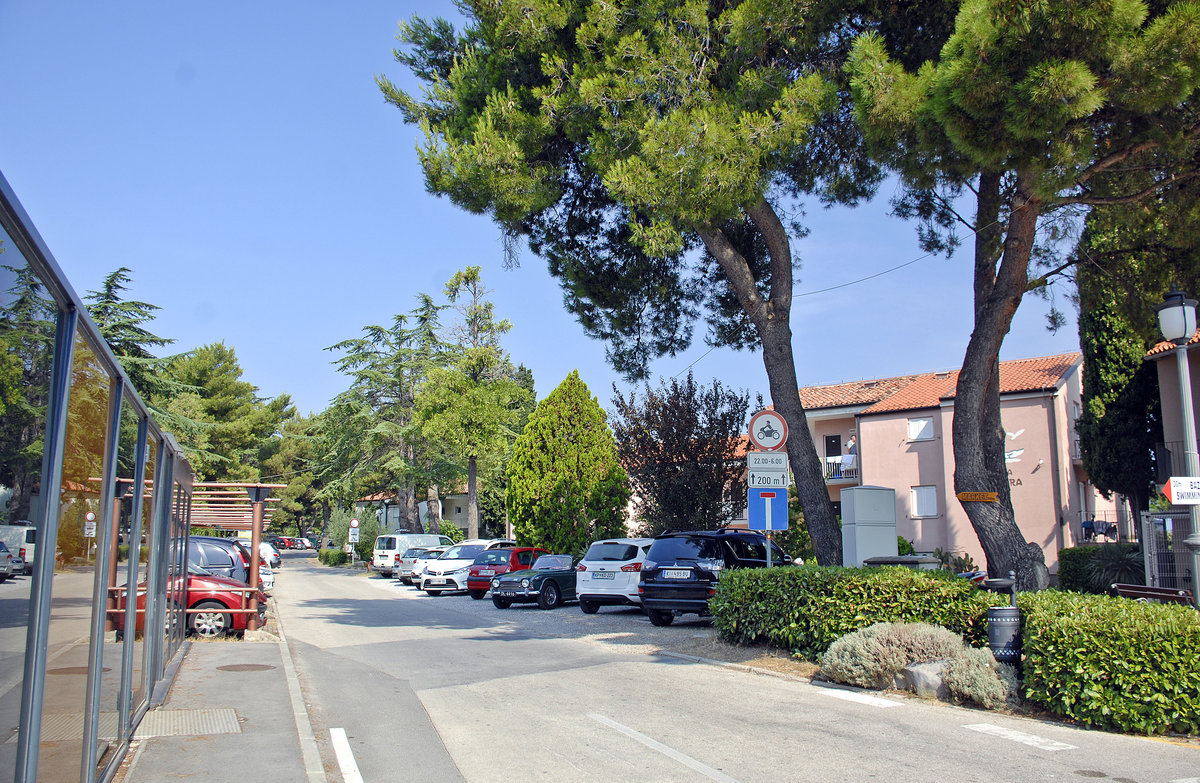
(73, 670)
(245, 667)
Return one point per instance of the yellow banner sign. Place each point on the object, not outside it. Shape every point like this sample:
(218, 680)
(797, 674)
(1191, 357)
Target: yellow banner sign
(979, 497)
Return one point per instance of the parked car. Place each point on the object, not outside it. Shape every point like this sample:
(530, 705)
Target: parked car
(269, 554)
(221, 556)
(7, 567)
(494, 562)
(422, 561)
(550, 583)
(389, 548)
(21, 540)
(266, 578)
(216, 598)
(404, 565)
(681, 570)
(448, 574)
(608, 574)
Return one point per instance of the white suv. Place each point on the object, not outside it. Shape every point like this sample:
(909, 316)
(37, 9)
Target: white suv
(448, 573)
(608, 574)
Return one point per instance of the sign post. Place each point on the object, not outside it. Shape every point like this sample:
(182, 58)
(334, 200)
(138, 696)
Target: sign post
(353, 538)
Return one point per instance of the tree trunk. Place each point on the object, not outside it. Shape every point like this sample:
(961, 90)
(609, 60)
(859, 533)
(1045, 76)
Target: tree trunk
(978, 435)
(772, 322)
(435, 509)
(472, 500)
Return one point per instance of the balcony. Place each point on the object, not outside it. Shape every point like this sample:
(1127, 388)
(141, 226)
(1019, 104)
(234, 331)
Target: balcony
(1168, 461)
(841, 469)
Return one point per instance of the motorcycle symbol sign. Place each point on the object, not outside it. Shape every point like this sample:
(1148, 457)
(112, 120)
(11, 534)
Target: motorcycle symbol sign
(768, 431)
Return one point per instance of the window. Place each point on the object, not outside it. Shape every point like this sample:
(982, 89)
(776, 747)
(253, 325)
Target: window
(924, 502)
(921, 428)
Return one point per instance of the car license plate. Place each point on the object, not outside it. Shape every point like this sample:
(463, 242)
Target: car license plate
(487, 572)
(437, 581)
(602, 575)
(676, 573)
(506, 593)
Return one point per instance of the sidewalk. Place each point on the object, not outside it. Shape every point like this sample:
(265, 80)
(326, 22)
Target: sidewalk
(234, 714)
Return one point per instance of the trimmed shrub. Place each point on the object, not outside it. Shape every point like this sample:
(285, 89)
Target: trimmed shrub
(872, 657)
(974, 675)
(1091, 569)
(806, 609)
(1112, 662)
(333, 557)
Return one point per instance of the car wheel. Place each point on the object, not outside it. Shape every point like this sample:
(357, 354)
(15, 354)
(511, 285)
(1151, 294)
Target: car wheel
(549, 598)
(211, 622)
(3, 579)
(501, 603)
(660, 618)
(588, 607)
(478, 594)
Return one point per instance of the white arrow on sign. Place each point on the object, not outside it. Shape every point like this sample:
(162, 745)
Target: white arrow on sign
(766, 479)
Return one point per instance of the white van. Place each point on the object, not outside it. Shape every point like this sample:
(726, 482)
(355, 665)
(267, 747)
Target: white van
(20, 540)
(389, 548)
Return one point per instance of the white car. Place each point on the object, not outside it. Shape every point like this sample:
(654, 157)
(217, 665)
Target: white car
(449, 572)
(608, 574)
(266, 578)
(418, 567)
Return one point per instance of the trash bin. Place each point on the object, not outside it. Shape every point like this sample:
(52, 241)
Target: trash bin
(1004, 622)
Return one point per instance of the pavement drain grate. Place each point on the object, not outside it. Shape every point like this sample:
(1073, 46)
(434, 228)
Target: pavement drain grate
(155, 723)
(245, 667)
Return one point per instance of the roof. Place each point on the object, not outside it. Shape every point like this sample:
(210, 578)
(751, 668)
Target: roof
(1166, 346)
(928, 390)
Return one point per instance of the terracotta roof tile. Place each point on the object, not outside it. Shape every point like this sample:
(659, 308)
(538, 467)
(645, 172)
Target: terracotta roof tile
(1164, 346)
(913, 392)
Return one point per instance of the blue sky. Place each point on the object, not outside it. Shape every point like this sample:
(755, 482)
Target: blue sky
(239, 158)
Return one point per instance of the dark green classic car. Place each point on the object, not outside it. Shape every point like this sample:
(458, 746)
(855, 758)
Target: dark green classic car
(550, 582)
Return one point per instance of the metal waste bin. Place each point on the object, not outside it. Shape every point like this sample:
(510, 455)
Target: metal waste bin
(1004, 622)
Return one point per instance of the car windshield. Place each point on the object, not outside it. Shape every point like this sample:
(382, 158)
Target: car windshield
(415, 552)
(553, 563)
(685, 548)
(463, 552)
(431, 554)
(493, 557)
(611, 551)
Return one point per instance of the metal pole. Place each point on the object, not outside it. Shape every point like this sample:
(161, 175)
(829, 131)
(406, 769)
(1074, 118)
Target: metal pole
(1191, 462)
(255, 539)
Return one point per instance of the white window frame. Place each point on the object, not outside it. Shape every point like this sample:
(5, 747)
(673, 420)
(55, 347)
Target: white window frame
(924, 501)
(920, 428)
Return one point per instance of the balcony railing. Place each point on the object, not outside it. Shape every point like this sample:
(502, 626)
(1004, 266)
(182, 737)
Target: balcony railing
(841, 468)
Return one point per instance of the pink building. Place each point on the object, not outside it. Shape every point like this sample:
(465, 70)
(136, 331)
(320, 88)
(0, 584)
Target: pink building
(896, 432)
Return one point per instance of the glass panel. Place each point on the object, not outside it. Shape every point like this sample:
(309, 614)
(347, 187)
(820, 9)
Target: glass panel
(143, 538)
(61, 751)
(26, 346)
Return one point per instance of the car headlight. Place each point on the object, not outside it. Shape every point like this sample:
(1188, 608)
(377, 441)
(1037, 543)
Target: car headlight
(462, 570)
(495, 583)
(524, 583)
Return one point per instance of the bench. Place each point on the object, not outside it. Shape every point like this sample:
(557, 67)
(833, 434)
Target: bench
(1166, 595)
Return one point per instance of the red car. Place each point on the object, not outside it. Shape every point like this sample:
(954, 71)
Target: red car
(494, 562)
(215, 597)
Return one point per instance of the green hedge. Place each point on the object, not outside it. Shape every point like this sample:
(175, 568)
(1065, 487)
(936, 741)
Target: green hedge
(806, 609)
(1080, 568)
(1112, 662)
(333, 557)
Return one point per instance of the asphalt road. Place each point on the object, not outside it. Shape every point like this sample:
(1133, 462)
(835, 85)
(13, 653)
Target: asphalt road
(430, 689)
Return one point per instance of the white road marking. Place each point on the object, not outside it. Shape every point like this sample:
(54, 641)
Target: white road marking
(345, 756)
(1186, 780)
(687, 761)
(1019, 736)
(310, 754)
(858, 698)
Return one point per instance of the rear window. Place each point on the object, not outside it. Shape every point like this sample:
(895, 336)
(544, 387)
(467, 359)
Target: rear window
(493, 557)
(685, 548)
(416, 551)
(30, 536)
(385, 543)
(463, 552)
(611, 551)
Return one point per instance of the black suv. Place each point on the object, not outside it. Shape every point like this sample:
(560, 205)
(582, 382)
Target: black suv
(681, 569)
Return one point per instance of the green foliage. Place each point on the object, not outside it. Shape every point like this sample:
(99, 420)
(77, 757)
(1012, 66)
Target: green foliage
(566, 486)
(873, 656)
(805, 609)
(1094, 569)
(974, 675)
(453, 532)
(795, 540)
(679, 443)
(1112, 663)
(904, 546)
(333, 557)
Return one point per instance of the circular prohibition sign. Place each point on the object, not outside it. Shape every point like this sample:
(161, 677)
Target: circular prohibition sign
(768, 431)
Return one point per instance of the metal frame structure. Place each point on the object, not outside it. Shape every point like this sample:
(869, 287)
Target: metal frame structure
(167, 531)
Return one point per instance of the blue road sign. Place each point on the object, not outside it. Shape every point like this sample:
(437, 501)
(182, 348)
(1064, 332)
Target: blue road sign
(768, 509)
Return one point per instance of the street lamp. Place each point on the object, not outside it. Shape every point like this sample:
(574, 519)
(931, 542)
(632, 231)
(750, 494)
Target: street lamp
(1177, 321)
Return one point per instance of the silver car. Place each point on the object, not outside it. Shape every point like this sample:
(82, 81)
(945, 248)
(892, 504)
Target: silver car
(7, 565)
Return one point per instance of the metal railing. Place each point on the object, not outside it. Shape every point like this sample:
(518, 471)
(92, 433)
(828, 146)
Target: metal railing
(841, 468)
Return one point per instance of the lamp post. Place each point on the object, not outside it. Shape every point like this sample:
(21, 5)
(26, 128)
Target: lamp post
(1177, 321)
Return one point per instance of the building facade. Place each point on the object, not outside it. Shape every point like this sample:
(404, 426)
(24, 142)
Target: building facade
(896, 433)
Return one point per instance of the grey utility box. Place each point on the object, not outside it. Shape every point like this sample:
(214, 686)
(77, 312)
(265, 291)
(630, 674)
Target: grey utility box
(868, 524)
